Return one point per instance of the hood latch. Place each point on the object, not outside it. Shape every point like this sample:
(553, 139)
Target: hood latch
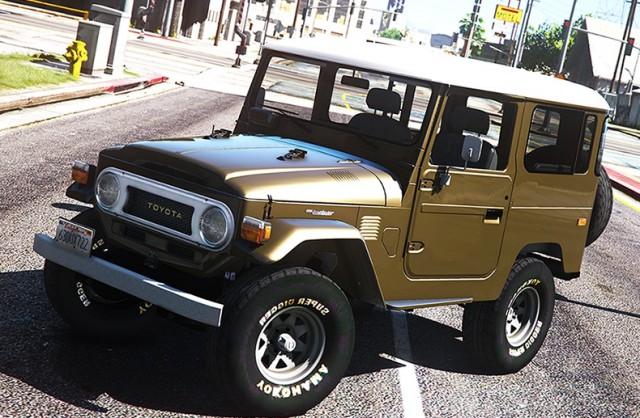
(293, 154)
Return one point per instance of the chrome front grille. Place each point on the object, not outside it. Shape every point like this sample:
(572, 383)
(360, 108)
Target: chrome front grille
(159, 210)
(163, 208)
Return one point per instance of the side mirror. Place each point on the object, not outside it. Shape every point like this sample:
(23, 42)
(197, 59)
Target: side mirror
(263, 117)
(260, 97)
(471, 149)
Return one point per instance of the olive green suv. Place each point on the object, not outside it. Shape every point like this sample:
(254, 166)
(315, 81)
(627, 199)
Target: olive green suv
(402, 178)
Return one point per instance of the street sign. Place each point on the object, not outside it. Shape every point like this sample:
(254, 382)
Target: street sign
(508, 14)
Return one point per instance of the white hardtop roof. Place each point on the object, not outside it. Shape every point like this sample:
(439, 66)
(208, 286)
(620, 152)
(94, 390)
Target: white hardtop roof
(428, 64)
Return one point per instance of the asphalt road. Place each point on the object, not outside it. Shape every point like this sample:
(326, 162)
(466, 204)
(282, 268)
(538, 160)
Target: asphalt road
(403, 365)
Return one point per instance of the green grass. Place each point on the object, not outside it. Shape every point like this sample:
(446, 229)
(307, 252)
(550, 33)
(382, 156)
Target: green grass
(131, 73)
(18, 72)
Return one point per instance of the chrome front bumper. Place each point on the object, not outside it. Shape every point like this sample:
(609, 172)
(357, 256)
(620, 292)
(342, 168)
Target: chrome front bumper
(145, 288)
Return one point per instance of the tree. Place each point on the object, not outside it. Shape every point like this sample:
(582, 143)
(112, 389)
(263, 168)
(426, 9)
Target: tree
(543, 47)
(392, 34)
(478, 34)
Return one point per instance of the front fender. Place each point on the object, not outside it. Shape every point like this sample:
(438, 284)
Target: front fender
(337, 248)
(288, 234)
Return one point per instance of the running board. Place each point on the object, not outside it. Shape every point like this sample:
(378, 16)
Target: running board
(425, 303)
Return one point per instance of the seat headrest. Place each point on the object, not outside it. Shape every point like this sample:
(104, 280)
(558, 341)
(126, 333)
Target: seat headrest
(472, 120)
(386, 101)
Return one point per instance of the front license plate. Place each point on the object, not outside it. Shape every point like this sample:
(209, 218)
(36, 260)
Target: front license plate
(75, 237)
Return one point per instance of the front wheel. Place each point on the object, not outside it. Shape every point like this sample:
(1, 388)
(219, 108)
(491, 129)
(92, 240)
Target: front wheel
(93, 308)
(504, 335)
(285, 342)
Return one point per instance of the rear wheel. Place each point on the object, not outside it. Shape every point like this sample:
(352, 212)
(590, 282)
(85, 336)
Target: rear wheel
(285, 342)
(90, 307)
(602, 207)
(504, 335)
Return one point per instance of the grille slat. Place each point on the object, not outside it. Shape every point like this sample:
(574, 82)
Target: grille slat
(159, 210)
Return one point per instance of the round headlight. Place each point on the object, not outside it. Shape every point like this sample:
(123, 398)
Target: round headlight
(108, 190)
(215, 226)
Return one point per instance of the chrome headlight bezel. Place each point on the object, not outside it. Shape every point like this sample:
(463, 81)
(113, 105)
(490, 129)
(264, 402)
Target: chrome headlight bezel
(200, 204)
(106, 201)
(222, 214)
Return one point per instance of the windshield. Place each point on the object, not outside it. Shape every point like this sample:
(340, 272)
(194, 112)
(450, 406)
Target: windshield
(380, 107)
(368, 114)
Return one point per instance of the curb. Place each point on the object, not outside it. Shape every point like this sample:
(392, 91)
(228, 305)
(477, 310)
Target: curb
(138, 83)
(40, 97)
(623, 182)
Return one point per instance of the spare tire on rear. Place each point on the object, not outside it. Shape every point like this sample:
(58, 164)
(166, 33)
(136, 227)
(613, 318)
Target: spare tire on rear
(602, 207)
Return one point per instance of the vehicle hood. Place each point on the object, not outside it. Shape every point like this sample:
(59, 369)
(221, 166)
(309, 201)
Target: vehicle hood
(256, 167)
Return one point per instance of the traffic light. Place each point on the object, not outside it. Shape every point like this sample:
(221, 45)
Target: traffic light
(629, 46)
(565, 28)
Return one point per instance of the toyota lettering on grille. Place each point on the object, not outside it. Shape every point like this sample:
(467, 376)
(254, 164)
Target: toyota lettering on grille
(164, 210)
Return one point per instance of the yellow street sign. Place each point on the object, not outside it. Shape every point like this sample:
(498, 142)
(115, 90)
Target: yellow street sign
(508, 14)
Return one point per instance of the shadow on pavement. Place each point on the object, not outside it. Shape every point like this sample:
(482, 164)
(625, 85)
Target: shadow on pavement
(166, 371)
(592, 306)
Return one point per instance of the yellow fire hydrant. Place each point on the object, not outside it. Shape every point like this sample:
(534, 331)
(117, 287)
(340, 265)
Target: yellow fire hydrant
(76, 55)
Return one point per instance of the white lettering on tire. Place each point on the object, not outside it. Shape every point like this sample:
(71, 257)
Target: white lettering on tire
(291, 302)
(283, 392)
(81, 295)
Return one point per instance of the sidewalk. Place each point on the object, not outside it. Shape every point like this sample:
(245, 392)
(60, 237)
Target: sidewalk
(626, 179)
(58, 30)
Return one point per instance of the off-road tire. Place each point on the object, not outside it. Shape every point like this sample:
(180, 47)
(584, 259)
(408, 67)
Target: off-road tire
(91, 308)
(504, 335)
(255, 368)
(602, 207)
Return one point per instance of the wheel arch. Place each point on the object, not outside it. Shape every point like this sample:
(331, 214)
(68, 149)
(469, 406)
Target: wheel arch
(330, 247)
(345, 261)
(551, 254)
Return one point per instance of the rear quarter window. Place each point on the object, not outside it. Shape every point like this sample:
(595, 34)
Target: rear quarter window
(560, 141)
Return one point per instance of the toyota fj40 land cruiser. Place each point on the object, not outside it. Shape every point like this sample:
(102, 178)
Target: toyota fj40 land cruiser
(402, 178)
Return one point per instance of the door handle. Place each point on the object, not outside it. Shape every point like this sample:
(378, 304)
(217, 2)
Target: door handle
(492, 217)
(415, 247)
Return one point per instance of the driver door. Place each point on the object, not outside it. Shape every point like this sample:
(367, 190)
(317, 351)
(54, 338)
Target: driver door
(460, 213)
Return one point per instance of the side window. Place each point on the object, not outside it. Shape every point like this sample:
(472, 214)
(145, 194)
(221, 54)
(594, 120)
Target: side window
(588, 134)
(559, 141)
(489, 119)
(378, 106)
(290, 87)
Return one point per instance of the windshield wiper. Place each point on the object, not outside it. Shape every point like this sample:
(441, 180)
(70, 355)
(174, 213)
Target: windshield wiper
(289, 115)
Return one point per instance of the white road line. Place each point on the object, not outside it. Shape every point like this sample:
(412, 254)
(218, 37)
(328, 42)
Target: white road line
(411, 397)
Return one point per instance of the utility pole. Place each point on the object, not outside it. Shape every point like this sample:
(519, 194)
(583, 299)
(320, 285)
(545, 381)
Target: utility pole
(295, 18)
(166, 30)
(625, 38)
(565, 41)
(266, 23)
(219, 28)
(523, 34)
(474, 21)
(351, 9)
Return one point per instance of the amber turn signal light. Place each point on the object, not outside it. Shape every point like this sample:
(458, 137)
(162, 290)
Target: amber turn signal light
(255, 230)
(80, 172)
(582, 221)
